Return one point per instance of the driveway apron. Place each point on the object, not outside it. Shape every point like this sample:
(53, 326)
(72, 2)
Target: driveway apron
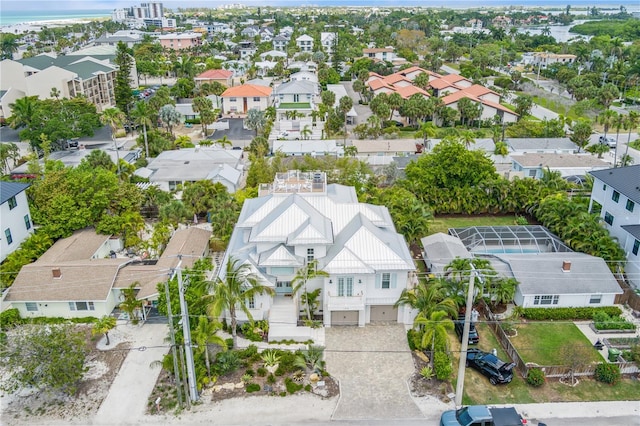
(373, 364)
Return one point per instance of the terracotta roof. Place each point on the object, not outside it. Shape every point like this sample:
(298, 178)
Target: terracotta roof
(416, 68)
(442, 84)
(215, 75)
(454, 78)
(478, 90)
(394, 78)
(497, 106)
(247, 91)
(455, 97)
(408, 91)
(379, 84)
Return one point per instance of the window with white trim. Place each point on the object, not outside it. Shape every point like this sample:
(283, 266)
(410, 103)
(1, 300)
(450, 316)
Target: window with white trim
(251, 302)
(27, 221)
(615, 196)
(8, 236)
(311, 254)
(31, 306)
(345, 286)
(81, 306)
(608, 218)
(12, 203)
(595, 299)
(630, 205)
(386, 280)
(546, 299)
(636, 247)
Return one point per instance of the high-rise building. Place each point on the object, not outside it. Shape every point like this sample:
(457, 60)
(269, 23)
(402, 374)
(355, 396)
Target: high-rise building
(154, 10)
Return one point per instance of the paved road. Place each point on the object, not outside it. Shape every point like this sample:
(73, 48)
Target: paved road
(372, 372)
(129, 392)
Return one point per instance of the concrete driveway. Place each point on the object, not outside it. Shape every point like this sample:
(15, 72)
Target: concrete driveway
(373, 364)
(235, 132)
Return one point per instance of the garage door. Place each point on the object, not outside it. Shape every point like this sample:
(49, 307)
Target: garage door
(384, 313)
(344, 318)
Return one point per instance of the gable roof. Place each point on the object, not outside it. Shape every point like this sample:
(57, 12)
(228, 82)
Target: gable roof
(215, 75)
(625, 180)
(407, 91)
(297, 87)
(633, 230)
(440, 249)
(11, 189)
(247, 91)
(81, 245)
(588, 274)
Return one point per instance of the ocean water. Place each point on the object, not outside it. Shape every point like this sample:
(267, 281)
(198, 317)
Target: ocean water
(12, 17)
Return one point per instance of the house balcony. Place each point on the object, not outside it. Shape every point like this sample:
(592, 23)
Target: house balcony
(345, 303)
(376, 301)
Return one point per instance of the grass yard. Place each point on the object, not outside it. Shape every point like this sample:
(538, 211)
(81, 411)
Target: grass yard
(478, 390)
(545, 343)
(443, 223)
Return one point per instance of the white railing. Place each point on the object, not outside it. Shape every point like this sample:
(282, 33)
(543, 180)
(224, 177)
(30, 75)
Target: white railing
(381, 300)
(346, 303)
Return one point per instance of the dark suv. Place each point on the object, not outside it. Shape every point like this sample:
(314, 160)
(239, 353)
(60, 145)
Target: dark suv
(474, 338)
(491, 366)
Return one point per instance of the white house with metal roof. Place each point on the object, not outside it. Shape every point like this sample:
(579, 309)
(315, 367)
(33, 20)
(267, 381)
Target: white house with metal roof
(616, 198)
(16, 217)
(298, 219)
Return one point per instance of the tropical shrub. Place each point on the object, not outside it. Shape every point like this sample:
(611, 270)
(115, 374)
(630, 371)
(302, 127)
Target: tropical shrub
(261, 371)
(270, 357)
(271, 379)
(535, 377)
(10, 318)
(607, 373)
(292, 387)
(249, 352)
(571, 314)
(427, 372)
(252, 387)
(442, 365)
(226, 362)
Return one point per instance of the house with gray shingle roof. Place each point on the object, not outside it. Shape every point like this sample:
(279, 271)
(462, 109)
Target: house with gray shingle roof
(616, 198)
(298, 219)
(16, 217)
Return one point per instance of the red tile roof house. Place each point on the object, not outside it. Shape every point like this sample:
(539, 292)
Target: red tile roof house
(224, 77)
(240, 99)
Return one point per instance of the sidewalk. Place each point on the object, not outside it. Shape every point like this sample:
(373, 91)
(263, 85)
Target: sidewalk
(128, 396)
(592, 409)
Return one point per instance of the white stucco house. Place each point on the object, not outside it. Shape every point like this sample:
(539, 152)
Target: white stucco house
(16, 217)
(616, 198)
(298, 219)
(305, 43)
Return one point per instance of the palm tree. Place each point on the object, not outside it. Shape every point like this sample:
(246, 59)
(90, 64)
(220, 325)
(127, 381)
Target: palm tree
(308, 272)
(141, 114)
(630, 123)
(205, 333)
(607, 119)
(427, 298)
(426, 131)
(306, 132)
(22, 111)
(435, 328)
(467, 137)
(224, 141)
(234, 291)
(114, 118)
(103, 325)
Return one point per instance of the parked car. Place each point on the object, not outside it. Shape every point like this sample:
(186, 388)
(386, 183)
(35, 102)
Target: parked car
(608, 140)
(474, 338)
(490, 365)
(482, 415)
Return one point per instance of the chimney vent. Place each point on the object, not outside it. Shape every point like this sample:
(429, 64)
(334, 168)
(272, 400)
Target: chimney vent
(57, 273)
(566, 266)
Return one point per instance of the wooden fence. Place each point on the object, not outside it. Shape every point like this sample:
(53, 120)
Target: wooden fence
(628, 297)
(549, 370)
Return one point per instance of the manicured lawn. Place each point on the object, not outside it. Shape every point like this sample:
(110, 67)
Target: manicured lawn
(443, 223)
(544, 343)
(478, 390)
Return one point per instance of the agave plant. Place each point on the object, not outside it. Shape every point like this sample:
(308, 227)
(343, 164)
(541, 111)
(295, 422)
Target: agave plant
(270, 358)
(311, 358)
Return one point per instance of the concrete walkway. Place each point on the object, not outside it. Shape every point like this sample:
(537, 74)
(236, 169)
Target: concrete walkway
(373, 364)
(593, 336)
(128, 396)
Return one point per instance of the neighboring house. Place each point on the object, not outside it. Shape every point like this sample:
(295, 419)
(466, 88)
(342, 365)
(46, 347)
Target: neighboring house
(272, 55)
(280, 43)
(180, 41)
(616, 198)
(533, 165)
(549, 273)
(541, 145)
(440, 249)
(83, 275)
(178, 167)
(240, 99)
(128, 37)
(300, 219)
(375, 151)
(246, 49)
(305, 43)
(266, 34)
(250, 31)
(327, 40)
(340, 92)
(74, 278)
(304, 75)
(296, 95)
(224, 77)
(314, 148)
(490, 108)
(386, 54)
(16, 217)
(543, 60)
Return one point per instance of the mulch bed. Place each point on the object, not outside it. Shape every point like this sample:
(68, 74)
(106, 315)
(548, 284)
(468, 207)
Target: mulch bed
(419, 386)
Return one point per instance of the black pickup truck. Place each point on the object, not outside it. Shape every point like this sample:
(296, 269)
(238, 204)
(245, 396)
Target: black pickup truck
(482, 415)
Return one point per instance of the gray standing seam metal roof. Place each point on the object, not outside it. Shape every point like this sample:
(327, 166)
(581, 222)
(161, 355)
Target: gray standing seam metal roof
(11, 189)
(633, 230)
(44, 61)
(88, 69)
(625, 180)
(534, 144)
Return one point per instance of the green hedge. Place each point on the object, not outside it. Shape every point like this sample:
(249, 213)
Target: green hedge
(538, 314)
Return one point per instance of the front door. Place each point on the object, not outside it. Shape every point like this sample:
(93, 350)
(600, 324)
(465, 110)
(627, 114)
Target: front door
(283, 288)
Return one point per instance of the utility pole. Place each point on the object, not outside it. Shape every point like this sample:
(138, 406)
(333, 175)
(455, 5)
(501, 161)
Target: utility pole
(465, 339)
(176, 370)
(186, 331)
